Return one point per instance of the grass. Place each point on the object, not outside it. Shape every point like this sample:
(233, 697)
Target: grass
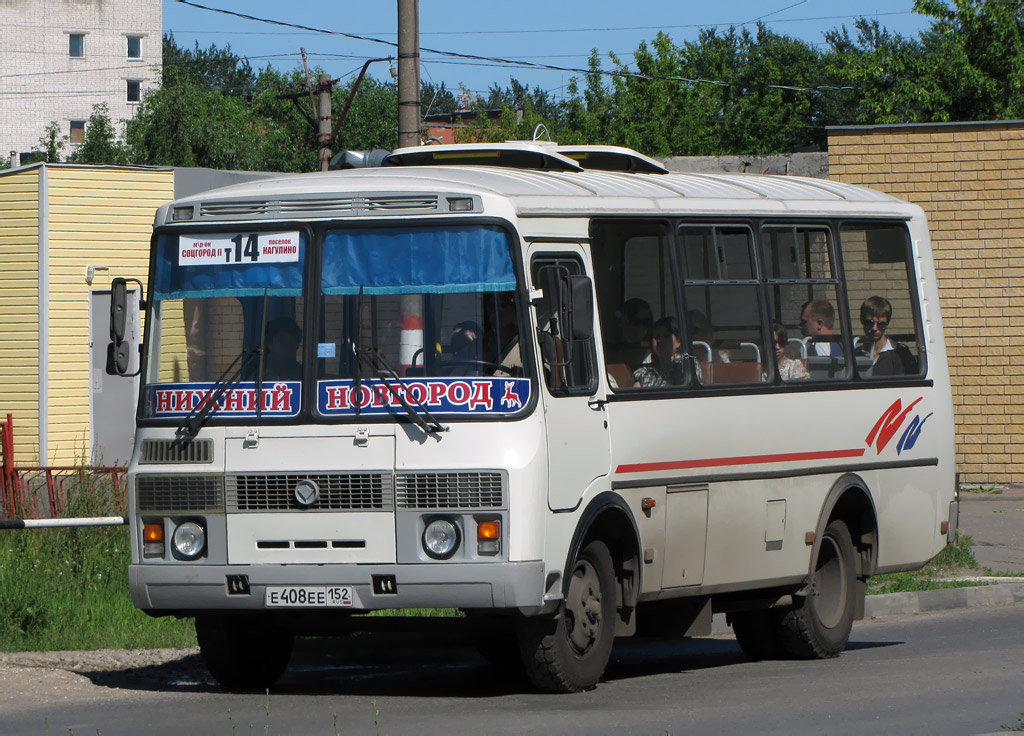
(68, 588)
(954, 560)
(982, 489)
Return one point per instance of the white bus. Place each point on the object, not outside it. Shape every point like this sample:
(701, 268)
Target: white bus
(560, 389)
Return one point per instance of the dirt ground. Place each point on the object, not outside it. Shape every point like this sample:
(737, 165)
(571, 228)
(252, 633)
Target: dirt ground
(45, 677)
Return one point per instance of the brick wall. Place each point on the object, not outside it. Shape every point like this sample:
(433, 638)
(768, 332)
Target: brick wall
(41, 83)
(969, 178)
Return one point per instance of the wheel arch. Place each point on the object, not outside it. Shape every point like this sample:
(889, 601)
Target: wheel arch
(608, 519)
(850, 501)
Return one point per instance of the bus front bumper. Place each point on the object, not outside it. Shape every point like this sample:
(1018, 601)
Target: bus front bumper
(168, 589)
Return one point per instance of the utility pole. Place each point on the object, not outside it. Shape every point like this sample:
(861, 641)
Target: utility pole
(326, 136)
(408, 73)
(411, 340)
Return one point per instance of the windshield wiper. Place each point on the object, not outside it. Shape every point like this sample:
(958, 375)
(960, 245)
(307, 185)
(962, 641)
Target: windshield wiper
(198, 417)
(389, 378)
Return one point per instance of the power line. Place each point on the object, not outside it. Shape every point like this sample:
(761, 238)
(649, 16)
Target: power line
(608, 29)
(505, 62)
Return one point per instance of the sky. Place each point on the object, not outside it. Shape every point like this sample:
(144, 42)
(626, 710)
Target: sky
(555, 32)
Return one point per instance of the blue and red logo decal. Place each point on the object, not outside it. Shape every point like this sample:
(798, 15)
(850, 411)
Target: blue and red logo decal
(476, 396)
(177, 400)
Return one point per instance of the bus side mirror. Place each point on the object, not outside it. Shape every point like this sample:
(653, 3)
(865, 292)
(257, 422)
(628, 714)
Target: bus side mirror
(119, 351)
(578, 304)
(118, 309)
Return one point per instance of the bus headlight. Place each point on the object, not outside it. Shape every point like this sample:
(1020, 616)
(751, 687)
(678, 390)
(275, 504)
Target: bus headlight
(440, 539)
(189, 540)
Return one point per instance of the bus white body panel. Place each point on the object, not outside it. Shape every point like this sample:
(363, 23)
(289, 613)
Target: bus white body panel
(540, 454)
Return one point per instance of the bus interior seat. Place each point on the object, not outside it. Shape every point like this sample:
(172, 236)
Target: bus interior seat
(737, 371)
(822, 367)
(621, 374)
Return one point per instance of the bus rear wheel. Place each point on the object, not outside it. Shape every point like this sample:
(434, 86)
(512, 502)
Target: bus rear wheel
(243, 651)
(819, 627)
(569, 653)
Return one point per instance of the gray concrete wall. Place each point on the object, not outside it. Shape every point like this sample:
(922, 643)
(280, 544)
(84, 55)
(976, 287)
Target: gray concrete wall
(793, 164)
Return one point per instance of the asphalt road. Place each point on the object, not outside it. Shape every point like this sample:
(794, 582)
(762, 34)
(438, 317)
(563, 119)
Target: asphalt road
(946, 673)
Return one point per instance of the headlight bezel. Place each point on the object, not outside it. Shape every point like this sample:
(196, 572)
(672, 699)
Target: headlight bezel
(438, 524)
(189, 549)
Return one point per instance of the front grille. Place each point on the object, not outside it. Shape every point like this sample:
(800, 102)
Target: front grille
(338, 492)
(428, 203)
(233, 209)
(339, 205)
(480, 490)
(179, 493)
(166, 451)
(325, 204)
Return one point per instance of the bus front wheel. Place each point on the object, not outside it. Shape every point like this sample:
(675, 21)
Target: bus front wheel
(243, 651)
(569, 652)
(820, 625)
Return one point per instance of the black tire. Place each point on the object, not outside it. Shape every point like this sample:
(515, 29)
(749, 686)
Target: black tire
(757, 633)
(244, 651)
(568, 653)
(819, 626)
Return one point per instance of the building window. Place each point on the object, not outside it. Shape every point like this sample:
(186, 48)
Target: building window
(134, 90)
(77, 132)
(76, 45)
(134, 47)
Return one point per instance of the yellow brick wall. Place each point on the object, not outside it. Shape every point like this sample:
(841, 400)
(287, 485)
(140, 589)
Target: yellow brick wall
(19, 309)
(970, 181)
(100, 216)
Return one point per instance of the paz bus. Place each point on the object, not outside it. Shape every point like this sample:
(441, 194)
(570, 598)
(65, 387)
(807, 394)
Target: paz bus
(560, 389)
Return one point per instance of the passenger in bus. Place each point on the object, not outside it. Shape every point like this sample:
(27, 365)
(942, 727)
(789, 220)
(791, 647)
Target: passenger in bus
(666, 366)
(817, 321)
(790, 369)
(284, 337)
(888, 357)
(465, 341)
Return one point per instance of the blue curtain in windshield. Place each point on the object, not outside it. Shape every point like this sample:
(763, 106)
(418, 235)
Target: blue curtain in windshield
(174, 281)
(454, 259)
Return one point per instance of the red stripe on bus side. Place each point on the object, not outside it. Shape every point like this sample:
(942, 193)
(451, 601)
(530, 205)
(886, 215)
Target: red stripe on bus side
(787, 457)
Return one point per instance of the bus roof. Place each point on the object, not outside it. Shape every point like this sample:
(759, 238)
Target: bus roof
(422, 190)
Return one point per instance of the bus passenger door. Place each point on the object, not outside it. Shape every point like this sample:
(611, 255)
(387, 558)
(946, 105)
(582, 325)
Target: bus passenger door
(573, 400)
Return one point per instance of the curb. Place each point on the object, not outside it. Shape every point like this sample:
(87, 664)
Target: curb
(925, 601)
(949, 599)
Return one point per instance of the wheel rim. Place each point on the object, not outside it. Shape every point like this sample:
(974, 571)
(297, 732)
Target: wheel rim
(583, 607)
(830, 584)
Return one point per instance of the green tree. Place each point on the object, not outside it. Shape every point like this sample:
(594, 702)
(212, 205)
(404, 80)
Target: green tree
(886, 74)
(975, 50)
(53, 142)
(101, 144)
(212, 69)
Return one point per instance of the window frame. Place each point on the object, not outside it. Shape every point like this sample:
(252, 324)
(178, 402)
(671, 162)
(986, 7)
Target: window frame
(129, 37)
(72, 36)
(128, 91)
(73, 126)
(558, 258)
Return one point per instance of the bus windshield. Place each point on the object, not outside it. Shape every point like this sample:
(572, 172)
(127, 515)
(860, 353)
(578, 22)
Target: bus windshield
(434, 307)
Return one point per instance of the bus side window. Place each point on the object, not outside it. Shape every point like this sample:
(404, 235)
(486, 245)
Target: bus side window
(723, 313)
(883, 305)
(803, 290)
(568, 363)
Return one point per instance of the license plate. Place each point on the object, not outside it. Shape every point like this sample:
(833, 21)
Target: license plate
(308, 596)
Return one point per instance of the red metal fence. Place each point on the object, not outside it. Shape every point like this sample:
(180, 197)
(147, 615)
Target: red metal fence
(53, 491)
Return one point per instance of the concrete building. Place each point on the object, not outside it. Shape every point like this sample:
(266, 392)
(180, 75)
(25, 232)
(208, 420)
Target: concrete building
(58, 58)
